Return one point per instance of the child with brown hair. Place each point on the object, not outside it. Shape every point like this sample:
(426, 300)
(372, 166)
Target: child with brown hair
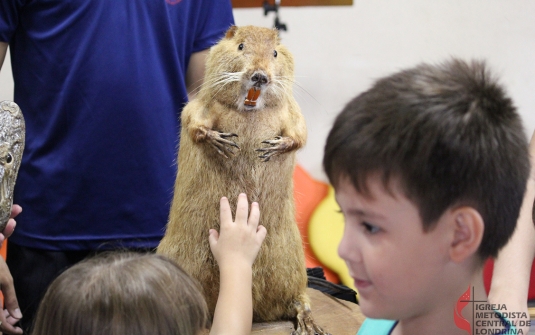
(429, 167)
(125, 293)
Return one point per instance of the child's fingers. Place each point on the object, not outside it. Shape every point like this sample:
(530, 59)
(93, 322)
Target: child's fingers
(242, 208)
(213, 237)
(10, 228)
(225, 214)
(254, 217)
(15, 210)
(261, 233)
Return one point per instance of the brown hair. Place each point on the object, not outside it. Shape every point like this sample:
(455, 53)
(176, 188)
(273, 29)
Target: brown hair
(451, 136)
(122, 293)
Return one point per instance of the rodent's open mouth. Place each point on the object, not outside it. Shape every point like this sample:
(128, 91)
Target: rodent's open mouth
(252, 96)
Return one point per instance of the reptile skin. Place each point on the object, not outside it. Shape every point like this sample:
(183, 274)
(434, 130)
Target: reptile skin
(12, 133)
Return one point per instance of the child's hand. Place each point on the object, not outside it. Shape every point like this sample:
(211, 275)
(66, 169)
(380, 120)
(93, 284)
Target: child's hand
(10, 226)
(237, 241)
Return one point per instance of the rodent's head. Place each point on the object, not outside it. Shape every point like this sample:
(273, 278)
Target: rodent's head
(249, 69)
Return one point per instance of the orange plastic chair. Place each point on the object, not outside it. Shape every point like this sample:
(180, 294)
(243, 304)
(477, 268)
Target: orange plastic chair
(308, 194)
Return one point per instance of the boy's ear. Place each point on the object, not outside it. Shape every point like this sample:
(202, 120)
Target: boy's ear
(468, 228)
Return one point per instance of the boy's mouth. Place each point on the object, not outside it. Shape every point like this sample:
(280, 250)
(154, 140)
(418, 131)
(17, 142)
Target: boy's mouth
(362, 284)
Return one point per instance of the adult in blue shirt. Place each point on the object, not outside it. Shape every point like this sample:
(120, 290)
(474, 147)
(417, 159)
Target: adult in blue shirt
(101, 85)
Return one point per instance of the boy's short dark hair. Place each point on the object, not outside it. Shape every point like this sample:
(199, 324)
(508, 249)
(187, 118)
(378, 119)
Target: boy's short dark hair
(451, 136)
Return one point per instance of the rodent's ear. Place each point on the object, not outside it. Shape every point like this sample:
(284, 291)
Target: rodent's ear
(231, 31)
(277, 34)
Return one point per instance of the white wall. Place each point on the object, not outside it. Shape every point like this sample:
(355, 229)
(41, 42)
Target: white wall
(339, 51)
(6, 80)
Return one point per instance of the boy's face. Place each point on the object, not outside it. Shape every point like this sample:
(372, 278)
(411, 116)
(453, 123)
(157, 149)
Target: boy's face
(399, 270)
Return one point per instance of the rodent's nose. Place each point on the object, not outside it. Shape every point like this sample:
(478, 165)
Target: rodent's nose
(259, 78)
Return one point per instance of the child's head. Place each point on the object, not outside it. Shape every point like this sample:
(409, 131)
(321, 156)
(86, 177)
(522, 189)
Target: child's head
(448, 134)
(122, 293)
(429, 167)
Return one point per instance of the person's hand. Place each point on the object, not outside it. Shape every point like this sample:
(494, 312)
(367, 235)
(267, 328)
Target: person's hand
(10, 313)
(10, 226)
(235, 248)
(238, 241)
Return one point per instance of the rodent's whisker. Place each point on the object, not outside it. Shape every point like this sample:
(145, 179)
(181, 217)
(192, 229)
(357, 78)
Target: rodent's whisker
(301, 88)
(279, 89)
(225, 82)
(220, 80)
(197, 86)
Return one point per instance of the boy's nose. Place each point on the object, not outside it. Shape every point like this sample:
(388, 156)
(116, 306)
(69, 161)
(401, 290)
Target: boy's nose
(348, 249)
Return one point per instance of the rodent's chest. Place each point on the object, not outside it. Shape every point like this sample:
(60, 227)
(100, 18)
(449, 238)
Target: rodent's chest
(252, 128)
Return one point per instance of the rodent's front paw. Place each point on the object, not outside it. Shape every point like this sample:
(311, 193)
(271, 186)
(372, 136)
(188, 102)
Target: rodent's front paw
(219, 141)
(278, 145)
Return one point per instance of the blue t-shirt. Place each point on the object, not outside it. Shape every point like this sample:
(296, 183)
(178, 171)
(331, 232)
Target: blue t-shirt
(101, 84)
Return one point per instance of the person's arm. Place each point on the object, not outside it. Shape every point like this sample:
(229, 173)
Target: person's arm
(235, 248)
(3, 51)
(512, 268)
(195, 72)
(11, 314)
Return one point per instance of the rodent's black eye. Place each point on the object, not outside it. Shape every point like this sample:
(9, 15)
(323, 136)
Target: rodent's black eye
(274, 53)
(9, 158)
(240, 47)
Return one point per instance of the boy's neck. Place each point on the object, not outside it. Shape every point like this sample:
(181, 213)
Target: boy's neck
(441, 320)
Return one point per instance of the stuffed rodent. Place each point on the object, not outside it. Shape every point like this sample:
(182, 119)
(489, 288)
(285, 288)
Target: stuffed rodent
(240, 134)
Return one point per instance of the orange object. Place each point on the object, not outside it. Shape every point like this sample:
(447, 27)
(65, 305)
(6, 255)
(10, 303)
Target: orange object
(252, 96)
(3, 250)
(308, 193)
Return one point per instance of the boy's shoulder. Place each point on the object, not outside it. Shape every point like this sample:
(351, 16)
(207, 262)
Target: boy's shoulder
(376, 327)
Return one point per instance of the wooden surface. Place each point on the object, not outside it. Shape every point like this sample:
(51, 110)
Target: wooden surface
(335, 316)
(283, 3)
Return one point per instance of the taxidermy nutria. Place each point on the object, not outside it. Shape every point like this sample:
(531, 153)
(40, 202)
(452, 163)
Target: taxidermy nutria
(240, 135)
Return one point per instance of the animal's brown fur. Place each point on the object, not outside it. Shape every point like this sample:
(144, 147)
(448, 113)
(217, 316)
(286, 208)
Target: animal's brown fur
(205, 175)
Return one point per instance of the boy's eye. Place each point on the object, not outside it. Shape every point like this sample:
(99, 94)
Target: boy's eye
(371, 228)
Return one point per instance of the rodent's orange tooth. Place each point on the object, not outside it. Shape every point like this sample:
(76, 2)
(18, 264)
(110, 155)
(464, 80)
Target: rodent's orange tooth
(256, 93)
(252, 96)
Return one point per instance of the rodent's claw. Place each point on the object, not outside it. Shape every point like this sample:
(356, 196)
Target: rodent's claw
(305, 323)
(219, 151)
(278, 145)
(267, 153)
(274, 141)
(219, 142)
(228, 142)
(224, 135)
